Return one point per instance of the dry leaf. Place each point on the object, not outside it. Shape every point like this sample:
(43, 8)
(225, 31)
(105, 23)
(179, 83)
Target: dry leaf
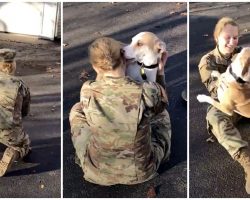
(151, 192)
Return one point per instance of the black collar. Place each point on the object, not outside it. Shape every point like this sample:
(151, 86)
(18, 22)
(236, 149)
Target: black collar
(148, 67)
(143, 74)
(238, 79)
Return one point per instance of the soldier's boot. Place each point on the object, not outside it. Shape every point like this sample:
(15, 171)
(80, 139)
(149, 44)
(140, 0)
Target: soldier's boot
(243, 158)
(9, 156)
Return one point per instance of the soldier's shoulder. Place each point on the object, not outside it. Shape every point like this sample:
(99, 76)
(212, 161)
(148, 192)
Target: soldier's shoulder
(207, 59)
(88, 84)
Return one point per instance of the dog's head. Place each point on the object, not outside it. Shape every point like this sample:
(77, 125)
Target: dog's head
(241, 64)
(145, 48)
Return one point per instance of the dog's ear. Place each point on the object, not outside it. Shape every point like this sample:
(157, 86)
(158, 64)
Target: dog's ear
(160, 46)
(245, 62)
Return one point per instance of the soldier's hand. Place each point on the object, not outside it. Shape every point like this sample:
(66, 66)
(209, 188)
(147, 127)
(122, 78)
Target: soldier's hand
(162, 63)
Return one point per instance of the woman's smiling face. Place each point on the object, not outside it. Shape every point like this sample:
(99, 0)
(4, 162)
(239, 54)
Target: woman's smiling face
(228, 39)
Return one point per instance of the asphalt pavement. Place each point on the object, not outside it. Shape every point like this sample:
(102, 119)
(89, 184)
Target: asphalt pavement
(84, 22)
(39, 174)
(213, 173)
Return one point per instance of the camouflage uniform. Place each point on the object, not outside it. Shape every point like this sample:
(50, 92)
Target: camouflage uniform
(220, 124)
(113, 133)
(14, 104)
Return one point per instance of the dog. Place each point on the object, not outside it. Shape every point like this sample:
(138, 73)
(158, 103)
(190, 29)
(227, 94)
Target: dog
(233, 87)
(143, 55)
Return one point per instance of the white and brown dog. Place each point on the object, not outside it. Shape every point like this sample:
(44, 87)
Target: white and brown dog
(233, 87)
(143, 55)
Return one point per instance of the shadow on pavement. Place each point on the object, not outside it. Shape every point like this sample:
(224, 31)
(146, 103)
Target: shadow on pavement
(45, 156)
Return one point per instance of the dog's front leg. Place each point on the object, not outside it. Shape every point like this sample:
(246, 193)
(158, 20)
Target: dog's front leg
(204, 99)
(207, 99)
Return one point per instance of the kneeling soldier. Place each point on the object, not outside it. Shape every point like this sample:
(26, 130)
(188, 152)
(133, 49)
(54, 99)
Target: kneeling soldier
(14, 105)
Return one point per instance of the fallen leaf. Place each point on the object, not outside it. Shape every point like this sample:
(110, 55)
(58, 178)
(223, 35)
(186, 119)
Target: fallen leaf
(65, 44)
(183, 14)
(151, 192)
(210, 139)
(98, 33)
(84, 76)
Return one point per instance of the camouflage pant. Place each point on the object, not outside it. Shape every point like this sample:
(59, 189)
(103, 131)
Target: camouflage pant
(223, 128)
(161, 134)
(16, 139)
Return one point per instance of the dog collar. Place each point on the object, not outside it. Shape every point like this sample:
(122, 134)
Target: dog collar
(142, 70)
(238, 79)
(148, 67)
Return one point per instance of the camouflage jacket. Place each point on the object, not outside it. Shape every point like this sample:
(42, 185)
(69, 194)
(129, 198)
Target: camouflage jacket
(118, 111)
(214, 61)
(14, 101)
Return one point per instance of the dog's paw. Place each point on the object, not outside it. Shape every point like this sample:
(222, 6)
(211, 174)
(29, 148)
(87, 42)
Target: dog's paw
(203, 98)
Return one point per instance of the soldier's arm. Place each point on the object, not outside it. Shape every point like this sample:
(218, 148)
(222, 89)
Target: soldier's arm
(160, 78)
(77, 117)
(154, 97)
(24, 90)
(205, 72)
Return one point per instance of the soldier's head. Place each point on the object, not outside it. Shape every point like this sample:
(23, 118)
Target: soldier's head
(226, 35)
(106, 54)
(7, 61)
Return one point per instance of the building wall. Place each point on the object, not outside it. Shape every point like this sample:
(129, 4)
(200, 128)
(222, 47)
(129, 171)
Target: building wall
(38, 19)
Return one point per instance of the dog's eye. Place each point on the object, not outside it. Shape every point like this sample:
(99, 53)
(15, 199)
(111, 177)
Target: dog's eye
(159, 50)
(139, 44)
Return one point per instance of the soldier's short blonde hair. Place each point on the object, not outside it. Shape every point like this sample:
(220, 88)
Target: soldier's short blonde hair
(221, 24)
(8, 67)
(105, 53)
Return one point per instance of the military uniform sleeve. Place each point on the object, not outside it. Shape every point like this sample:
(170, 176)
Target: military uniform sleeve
(154, 97)
(77, 117)
(161, 80)
(205, 70)
(24, 91)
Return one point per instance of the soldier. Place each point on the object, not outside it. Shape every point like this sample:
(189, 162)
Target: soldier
(14, 104)
(222, 126)
(115, 139)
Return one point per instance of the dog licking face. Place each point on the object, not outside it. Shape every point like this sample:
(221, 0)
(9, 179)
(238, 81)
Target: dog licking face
(143, 55)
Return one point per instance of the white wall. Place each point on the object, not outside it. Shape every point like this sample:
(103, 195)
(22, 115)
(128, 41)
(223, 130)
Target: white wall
(30, 18)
